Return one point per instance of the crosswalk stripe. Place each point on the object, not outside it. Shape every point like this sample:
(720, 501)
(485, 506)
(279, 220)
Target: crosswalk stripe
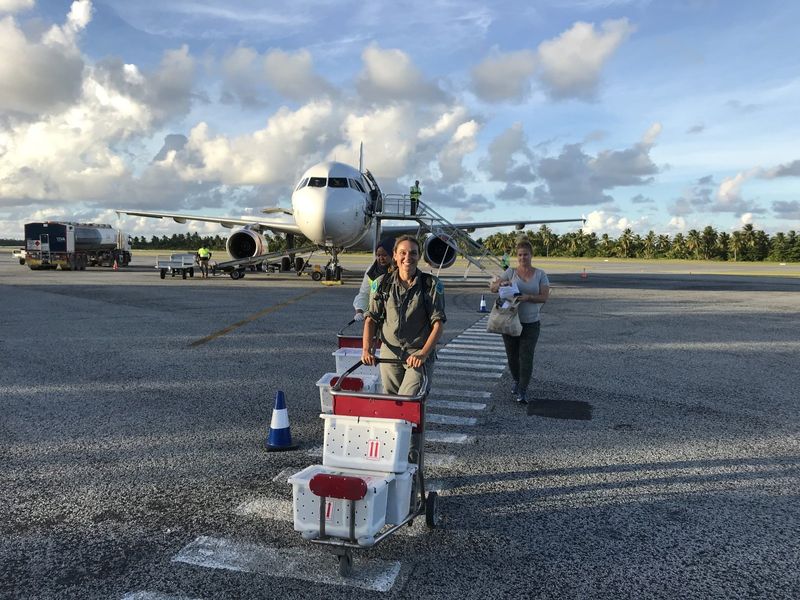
(145, 595)
(457, 392)
(433, 459)
(465, 375)
(457, 362)
(296, 563)
(267, 508)
(452, 405)
(315, 451)
(444, 437)
(285, 474)
(450, 419)
(470, 358)
(475, 346)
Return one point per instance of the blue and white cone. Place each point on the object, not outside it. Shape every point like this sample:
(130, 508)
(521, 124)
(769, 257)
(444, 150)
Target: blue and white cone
(483, 305)
(280, 436)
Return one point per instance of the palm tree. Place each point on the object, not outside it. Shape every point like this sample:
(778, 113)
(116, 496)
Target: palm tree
(546, 235)
(649, 245)
(736, 244)
(693, 242)
(625, 243)
(663, 245)
(708, 241)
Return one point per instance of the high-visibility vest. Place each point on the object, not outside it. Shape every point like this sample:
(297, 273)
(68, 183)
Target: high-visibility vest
(204, 252)
(415, 192)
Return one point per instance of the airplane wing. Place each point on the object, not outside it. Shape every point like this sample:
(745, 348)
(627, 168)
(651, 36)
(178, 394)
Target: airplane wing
(470, 227)
(228, 222)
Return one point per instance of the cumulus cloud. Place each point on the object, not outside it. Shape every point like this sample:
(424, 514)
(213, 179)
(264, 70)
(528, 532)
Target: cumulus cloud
(241, 77)
(602, 221)
(12, 6)
(570, 64)
(292, 74)
(451, 156)
(390, 76)
(729, 195)
(509, 158)
(791, 169)
(787, 210)
(504, 76)
(574, 178)
(45, 74)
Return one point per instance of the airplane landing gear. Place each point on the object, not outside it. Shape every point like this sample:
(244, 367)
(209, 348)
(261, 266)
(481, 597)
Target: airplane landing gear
(333, 271)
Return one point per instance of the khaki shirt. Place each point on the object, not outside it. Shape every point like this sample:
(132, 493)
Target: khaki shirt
(407, 325)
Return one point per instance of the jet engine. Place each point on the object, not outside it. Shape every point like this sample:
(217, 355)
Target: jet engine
(439, 250)
(245, 243)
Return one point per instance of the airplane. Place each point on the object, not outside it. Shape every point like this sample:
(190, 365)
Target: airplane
(334, 206)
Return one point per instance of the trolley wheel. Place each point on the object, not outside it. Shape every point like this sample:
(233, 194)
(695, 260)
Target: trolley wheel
(236, 274)
(345, 564)
(432, 510)
(163, 273)
(316, 275)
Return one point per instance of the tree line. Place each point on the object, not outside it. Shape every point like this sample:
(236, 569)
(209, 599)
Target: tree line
(747, 244)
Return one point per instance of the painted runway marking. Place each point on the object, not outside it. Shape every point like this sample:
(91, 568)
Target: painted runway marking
(295, 563)
(285, 474)
(467, 374)
(455, 405)
(456, 362)
(267, 508)
(471, 346)
(465, 356)
(461, 393)
(252, 318)
(154, 596)
(443, 437)
(450, 419)
(315, 451)
(439, 460)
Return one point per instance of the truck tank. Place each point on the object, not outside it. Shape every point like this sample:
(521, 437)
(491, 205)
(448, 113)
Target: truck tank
(95, 237)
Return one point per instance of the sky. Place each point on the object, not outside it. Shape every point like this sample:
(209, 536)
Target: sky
(649, 115)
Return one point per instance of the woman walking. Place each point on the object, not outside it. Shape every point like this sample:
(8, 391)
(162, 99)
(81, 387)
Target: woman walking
(534, 290)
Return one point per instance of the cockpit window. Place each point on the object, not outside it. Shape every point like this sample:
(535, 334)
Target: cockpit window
(356, 185)
(337, 182)
(303, 183)
(317, 182)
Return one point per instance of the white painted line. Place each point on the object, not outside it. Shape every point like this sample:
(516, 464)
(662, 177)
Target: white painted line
(312, 564)
(439, 460)
(267, 508)
(455, 405)
(456, 362)
(466, 375)
(315, 451)
(285, 474)
(450, 419)
(443, 437)
(461, 393)
(471, 357)
(473, 346)
(484, 335)
(434, 485)
(484, 351)
(154, 596)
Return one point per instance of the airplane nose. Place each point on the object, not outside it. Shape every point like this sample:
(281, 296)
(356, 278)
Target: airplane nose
(326, 216)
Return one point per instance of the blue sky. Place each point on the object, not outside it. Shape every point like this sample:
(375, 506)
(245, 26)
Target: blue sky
(649, 115)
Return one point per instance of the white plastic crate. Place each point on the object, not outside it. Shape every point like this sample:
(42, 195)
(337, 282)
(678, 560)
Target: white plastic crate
(347, 357)
(370, 511)
(366, 443)
(398, 503)
(372, 384)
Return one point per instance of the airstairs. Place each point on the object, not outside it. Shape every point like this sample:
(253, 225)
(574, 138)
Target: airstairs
(398, 207)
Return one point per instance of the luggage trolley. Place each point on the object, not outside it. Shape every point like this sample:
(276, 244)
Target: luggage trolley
(352, 341)
(353, 486)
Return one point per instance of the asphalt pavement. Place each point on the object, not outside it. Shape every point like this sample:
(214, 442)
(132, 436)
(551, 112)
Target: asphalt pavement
(662, 459)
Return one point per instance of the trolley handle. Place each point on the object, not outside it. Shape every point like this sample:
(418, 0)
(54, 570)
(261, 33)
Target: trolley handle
(341, 331)
(418, 397)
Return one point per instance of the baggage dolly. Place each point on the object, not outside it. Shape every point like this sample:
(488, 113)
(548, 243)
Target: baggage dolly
(353, 488)
(352, 341)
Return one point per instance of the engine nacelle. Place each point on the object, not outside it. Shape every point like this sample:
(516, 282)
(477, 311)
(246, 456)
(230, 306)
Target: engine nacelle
(245, 243)
(439, 251)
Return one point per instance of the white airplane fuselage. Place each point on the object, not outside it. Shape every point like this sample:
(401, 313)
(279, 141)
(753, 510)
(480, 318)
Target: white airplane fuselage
(330, 206)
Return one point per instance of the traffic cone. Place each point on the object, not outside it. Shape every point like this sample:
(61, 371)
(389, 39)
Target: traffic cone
(280, 437)
(482, 307)
(584, 275)
(116, 265)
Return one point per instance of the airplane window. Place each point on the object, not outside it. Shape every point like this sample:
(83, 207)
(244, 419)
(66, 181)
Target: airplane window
(317, 182)
(303, 183)
(356, 185)
(337, 182)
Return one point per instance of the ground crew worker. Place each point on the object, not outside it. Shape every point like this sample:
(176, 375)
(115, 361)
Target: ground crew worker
(415, 193)
(383, 260)
(203, 256)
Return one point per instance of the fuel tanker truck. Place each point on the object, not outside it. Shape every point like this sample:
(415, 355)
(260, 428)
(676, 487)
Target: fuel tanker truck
(74, 246)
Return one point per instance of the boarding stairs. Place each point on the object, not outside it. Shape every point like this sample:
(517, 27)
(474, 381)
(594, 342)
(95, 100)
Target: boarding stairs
(398, 206)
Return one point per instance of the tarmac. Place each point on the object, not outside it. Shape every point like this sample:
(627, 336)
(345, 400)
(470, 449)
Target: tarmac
(662, 459)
